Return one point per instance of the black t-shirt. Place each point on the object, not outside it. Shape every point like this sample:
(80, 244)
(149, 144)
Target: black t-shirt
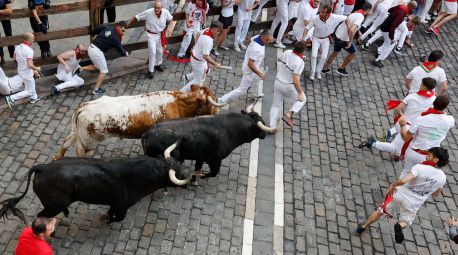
(3, 4)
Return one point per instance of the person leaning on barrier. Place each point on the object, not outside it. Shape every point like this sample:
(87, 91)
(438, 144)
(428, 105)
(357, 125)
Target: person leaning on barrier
(33, 239)
(40, 24)
(111, 11)
(6, 10)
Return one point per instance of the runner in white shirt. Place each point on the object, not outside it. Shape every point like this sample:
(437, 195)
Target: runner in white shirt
(427, 131)
(250, 68)
(287, 84)
(428, 69)
(226, 17)
(196, 15)
(11, 85)
(411, 107)
(158, 19)
(325, 24)
(200, 56)
(343, 39)
(379, 15)
(244, 11)
(23, 54)
(68, 68)
(410, 193)
(338, 7)
(307, 10)
(281, 17)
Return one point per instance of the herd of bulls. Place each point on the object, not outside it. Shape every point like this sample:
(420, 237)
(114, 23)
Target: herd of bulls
(173, 126)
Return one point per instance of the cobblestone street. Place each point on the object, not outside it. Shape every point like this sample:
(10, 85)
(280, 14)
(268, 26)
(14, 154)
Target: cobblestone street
(329, 184)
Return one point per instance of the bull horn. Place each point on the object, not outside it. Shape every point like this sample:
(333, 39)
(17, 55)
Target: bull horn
(266, 129)
(210, 99)
(250, 108)
(170, 149)
(175, 180)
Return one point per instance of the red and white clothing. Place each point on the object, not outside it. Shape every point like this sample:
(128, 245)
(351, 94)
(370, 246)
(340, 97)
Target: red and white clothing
(449, 6)
(199, 66)
(154, 26)
(24, 53)
(426, 69)
(11, 85)
(323, 30)
(338, 7)
(290, 63)
(256, 52)
(379, 15)
(196, 17)
(305, 13)
(69, 80)
(349, 5)
(281, 16)
(412, 195)
(355, 18)
(29, 244)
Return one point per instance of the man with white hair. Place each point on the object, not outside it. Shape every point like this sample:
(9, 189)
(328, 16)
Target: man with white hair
(157, 20)
(68, 67)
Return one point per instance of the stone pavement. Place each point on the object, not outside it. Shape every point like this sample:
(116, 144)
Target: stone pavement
(329, 184)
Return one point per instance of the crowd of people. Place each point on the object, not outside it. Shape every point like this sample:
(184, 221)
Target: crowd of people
(420, 124)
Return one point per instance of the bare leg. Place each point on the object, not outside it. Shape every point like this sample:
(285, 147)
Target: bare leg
(330, 60)
(222, 37)
(100, 79)
(445, 20)
(439, 18)
(347, 60)
(373, 218)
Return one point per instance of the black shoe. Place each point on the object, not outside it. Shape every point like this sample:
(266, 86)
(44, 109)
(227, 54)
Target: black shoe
(377, 63)
(398, 51)
(368, 143)
(43, 54)
(48, 53)
(159, 69)
(364, 46)
(398, 235)
(342, 71)
(325, 71)
(360, 229)
(150, 75)
(54, 91)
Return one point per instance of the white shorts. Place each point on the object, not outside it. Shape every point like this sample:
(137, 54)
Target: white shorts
(98, 58)
(449, 7)
(407, 212)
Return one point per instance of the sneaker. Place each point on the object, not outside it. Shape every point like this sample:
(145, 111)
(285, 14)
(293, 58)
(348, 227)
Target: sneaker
(279, 45)
(243, 46)
(342, 71)
(423, 21)
(360, 229)
(368, 143)
(98, 91)
(287, 41)
(54, 91)
(237, 47)
(312, 77)
(398, 235)
(428, 17)
(428, 30)
(9, 102)
(436, 31)
(398, 51)
(215, 52)
(377, 63)
(325, 71)
(33, 101)
(364, 46)
(318, 76)
(223, 47)
(150, 75)
(159, 68)
(387, 135)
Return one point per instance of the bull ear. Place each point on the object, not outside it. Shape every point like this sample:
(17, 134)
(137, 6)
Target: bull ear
(194, 88)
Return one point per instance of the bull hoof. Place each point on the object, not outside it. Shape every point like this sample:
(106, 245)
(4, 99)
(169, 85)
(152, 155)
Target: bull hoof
(199, 173)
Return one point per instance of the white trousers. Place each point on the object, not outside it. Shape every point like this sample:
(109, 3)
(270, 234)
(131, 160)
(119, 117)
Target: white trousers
(258, 11)
(318, 43)
(348, 9)
(11, 85)
(189, 33)
(245, 83)
(394, 147)
(241, 27)
(280, 17)
(424, 8)
(69, 81)
(154, 51)
(339, 8)
(386, 47)
(98, 58)
(400, 35)
(282, 91)
(29, 90)
(376, 18)
(411, 159)
(198, 71)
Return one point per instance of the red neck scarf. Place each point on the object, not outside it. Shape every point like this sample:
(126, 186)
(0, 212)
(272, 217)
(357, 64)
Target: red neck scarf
(77, 53)
(429, 66)
(431, 111)
(360, 11)
(426, 93)
(208, 32)
(429, 163)
(299, 55)
(118, 32)
(312, 3)
(26, 43)
(405, 8)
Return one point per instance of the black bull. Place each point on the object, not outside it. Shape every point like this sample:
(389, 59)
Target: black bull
(207, 139)
(119, 183)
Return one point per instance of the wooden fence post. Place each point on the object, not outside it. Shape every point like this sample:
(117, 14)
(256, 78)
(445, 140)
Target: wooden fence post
(94, 14)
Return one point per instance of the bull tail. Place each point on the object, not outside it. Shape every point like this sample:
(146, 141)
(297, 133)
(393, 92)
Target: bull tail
(72, 138)
(9, 205)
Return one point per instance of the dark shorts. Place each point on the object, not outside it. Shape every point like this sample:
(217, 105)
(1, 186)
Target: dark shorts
(226, 21)
(339, 45)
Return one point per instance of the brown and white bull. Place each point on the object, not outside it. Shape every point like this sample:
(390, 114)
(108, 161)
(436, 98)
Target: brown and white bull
(130, 116)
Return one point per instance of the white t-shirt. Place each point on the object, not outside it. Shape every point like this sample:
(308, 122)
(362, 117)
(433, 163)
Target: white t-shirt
(23, 53)
(427, 180)
(289, 64)
(196, 15)
(324, 29)
(203, 46)
(418, 73)
(355, 18)
(256, 52)
(73, 63)
(386, 4)
(153, 23)
(430, 130)
(415, 105)
(228, 11)
(305, 12)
